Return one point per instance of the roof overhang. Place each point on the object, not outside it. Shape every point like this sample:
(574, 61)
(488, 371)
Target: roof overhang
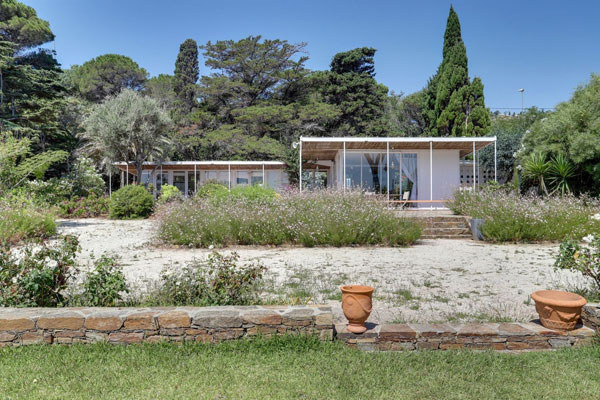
(201, 165)
(326, 148)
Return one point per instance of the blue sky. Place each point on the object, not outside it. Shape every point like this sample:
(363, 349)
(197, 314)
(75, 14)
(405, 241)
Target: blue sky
(546, 47)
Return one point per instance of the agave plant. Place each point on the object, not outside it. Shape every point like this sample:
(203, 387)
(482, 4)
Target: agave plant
(536, 167)
(560, 171)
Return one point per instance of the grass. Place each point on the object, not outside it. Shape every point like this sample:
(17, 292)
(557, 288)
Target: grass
(509, 217)
(291, 368)
(309, 219)
(21, 222)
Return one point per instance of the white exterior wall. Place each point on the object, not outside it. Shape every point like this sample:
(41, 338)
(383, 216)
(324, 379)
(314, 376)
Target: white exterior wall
(446, 174)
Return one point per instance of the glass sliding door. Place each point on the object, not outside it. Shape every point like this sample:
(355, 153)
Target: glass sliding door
(368, 171)
(179, 181)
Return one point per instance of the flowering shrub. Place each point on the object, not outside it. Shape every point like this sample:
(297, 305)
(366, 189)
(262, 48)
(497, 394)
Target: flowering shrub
(168, 193)
(130, 202)
(105, 285)
(39, 275)
(309, 219)
(212, 189)
(216, 281)
(84, 207)
(21, 220)
(510, 217)
(582, 258)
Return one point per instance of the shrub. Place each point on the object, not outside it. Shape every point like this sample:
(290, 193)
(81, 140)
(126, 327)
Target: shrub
(584, 259)
(510, 217)
(44, 193)
(105, 285)
(216, 281)
(39, 275)
(21, 220)
(309, 219)
(130, 202)
(212, 190)
(168, 193)
(255, 192)
(85, 180)
(84, 207)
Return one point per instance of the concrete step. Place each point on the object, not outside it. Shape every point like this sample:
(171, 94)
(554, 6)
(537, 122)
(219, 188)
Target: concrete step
(453, 224)
(463, 237)
(447, 231)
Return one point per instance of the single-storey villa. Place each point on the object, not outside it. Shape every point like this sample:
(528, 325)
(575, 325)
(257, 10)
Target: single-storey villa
(188, 175)
(420, 171)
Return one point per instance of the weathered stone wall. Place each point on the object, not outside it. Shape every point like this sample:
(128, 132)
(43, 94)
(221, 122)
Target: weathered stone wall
(504, 336)
(590, 316)
(175, 324)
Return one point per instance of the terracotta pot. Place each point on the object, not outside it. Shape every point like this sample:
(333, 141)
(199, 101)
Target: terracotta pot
(357, 306)
(557, 309)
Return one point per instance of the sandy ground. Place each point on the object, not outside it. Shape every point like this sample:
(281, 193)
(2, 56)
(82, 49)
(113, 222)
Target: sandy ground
(435, 280)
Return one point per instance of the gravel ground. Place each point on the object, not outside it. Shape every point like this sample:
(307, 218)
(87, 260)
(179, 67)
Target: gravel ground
(432, 281)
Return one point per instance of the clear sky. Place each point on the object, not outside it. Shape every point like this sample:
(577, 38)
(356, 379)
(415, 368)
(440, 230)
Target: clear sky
(547, 47)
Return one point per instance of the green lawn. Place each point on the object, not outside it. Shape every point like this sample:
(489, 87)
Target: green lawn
(293, 368)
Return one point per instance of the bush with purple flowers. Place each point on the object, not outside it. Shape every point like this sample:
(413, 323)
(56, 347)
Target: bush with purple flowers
(323, 218)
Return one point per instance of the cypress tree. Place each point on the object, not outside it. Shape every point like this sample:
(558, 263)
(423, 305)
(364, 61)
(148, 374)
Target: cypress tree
(455, 106)
(186, 75)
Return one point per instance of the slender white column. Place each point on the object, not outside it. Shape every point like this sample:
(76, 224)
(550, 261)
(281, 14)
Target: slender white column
(195, 179)
(300, 167)
(387, 156)
(474, 185)
(229, 175)
(495, 164)
(431, 172)
(122, 179)
(109, 183)
(344, 165)
(263, 182)
(127, 167)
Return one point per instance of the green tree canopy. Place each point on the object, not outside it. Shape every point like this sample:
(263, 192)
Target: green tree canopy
(20, 25)
(573, 130)
(107, 75)
(350, 86)
(455, 106)
(186, 75)
(128, 127)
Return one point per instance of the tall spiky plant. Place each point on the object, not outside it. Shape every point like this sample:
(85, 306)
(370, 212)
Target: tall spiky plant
(536, 168)
(561, 170)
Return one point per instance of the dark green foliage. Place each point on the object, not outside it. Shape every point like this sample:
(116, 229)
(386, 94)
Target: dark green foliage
(40, 276)
(352, 88)
(509, 131)
(186, 75)
(20, 25)
(404, 114)
(572, 130)
(216, 281)
(84, 207)
(131, 202)
(454, 106)
(162, 88)
(107, 75)
(104, 285)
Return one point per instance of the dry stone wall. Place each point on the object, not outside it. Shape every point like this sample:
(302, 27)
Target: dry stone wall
(175, 324)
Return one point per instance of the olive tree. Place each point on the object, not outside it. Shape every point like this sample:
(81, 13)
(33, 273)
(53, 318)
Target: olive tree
(127, 127)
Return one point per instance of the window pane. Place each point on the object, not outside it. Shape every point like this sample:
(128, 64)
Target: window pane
(257, 178)
(179, 182)
(274, 179)
(243, 178)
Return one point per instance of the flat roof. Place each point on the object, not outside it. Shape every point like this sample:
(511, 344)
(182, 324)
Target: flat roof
(201, 165)
(325, 148)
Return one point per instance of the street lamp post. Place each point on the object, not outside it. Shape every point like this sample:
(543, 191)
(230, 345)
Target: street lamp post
(522, 102)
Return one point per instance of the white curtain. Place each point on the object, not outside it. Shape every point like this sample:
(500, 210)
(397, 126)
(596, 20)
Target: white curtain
(409, 169)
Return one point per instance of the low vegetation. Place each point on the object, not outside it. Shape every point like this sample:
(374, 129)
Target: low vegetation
(584, 259)
(131, 202)
(218, 280)
(307, 219)
(21, 220)
(84, 207)
(509, 217)
(292, 368)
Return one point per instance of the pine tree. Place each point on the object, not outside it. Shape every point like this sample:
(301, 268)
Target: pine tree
(454, 105)
(186, 75)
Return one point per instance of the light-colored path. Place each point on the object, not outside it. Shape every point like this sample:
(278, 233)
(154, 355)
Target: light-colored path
(435, 280)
